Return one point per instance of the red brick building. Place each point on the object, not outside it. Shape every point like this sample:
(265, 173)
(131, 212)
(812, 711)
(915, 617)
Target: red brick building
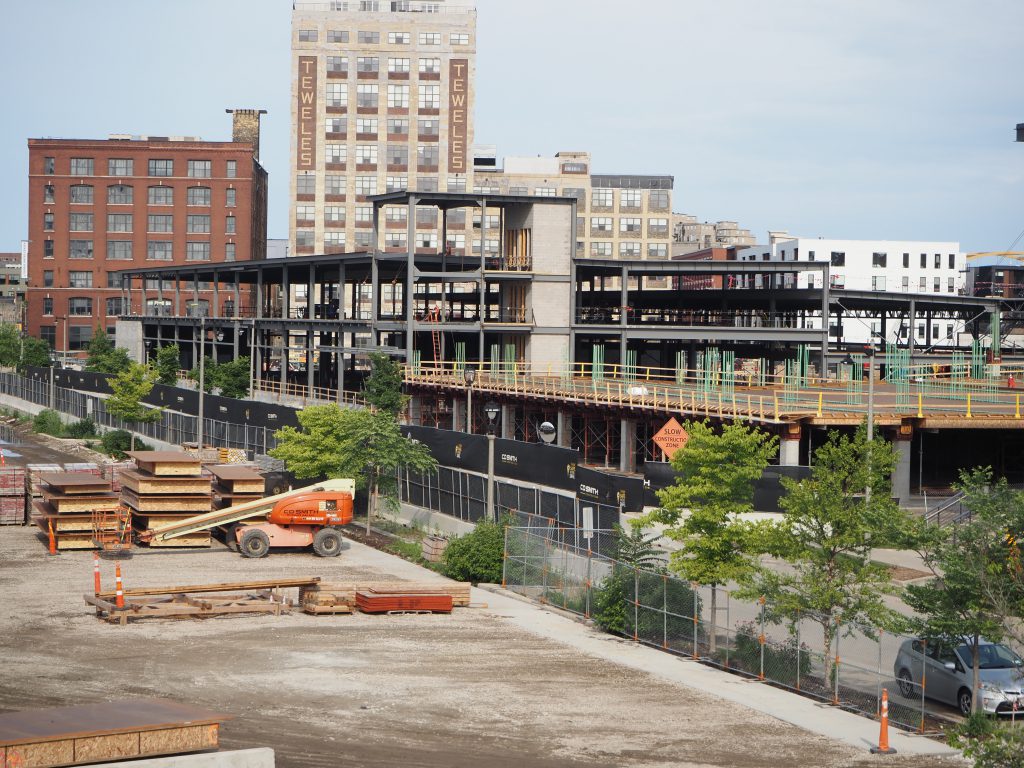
(98, 206)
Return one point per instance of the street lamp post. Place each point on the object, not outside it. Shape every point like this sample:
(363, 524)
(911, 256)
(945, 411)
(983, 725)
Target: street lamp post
(870, 351)
(202, 381)
(470, 376)
(492, 410)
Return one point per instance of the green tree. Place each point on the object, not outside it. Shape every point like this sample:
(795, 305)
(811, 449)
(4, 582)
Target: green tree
(716, 485)
(359, 443)
(19, 351)
(103, 356)
(34, 352)
(633, 550)
(383, 387)
(977, 590)
(827, 534)
(130, 387)
(479, 555)
(231, 378)
(168, 361)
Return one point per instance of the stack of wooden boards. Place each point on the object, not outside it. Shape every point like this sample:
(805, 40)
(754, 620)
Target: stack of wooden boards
(12, 496)
(236, 485)
(164, 487)
(69, 501)
(117, 730)
(384, 597)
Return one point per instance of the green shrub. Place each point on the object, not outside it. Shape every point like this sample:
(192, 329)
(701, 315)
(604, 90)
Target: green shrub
(81, 429)
(477, 556)
(47, 422)
(780, 661)
(614, 610)
(116, 442)
(409, 550)
(988, 743)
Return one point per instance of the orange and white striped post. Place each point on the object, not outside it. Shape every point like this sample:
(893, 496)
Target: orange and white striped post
(119, 590)
(96, 572)
(53, 540)
(883, 747)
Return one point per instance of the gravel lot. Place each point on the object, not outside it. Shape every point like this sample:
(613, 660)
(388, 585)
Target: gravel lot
(469, 689)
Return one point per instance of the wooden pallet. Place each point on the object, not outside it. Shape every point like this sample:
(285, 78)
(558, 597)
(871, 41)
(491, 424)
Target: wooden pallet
(193, 504)
(334, 593)
(142, 484)
(184, 605)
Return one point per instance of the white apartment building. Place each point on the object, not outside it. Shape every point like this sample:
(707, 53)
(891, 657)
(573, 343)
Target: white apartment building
(893, 266)
(382, 100)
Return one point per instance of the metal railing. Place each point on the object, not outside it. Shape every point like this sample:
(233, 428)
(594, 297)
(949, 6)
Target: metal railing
(549, 565)
(314, 396)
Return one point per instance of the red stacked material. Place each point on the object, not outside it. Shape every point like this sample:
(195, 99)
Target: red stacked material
(112, 472)
(388, 602)
(12, 496)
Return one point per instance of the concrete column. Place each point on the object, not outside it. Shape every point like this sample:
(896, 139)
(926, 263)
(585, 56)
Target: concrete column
(789, 446)
(563, 427)
(901, 473)
(459, 414)
(627, 446)
(508, 431)
(415, 409)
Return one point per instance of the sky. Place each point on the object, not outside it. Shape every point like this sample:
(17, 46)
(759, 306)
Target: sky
(851, 119)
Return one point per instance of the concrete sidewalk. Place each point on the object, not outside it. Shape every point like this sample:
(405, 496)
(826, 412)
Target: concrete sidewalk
(803, 712)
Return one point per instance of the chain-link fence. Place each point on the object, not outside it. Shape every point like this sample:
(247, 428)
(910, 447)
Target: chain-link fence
(173, 427)
(841, 663)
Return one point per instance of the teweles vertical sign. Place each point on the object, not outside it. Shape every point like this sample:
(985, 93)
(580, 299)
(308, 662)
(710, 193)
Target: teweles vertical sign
(306, 154)
(458, 93)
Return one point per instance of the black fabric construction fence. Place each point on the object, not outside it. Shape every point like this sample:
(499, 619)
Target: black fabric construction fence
(767, 491)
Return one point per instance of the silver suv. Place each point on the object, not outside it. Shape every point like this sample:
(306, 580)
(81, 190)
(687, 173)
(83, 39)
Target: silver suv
(949, 676)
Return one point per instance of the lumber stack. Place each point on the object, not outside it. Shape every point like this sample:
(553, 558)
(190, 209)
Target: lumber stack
(371, 601)
(33, 485)
(164, 487)
(112, 472)
(341, 598)
(12, 496)
(69, 503)
(236, 485)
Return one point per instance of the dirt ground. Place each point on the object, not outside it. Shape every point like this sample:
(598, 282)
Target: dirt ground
(469, 689)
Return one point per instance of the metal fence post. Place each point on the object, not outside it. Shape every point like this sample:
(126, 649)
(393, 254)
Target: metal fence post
(696, 618)
(636, 602)
(878, 678)
(504, 557)
(798, 650)
(544, 572)
(664, 610)
(924, 675)
(835, 667)
(586, 607)
(760, 675)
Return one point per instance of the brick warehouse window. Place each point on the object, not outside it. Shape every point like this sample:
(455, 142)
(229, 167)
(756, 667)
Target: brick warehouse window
(368, 38)
(199, 169)
(49, 165)
(115, 307)
(48, 193)
(199, 196)
(80, 279)
(307, 36)
(337, 64)
(229, 225)
(337, 36)
(161, 167)
(367, 96)
(119, 194)
(197, 251)
(458, 38)
(79, 336)
(80, 306)
(48, 306)
(430, 97)
(305, 184)
(430, 38)
(337, 95)
(229, 198)
(119, 250)
(334, 184)
(48, 278)
(82, 166)
(198, 224)
(120, 166)
(368, 65)
(161, 196)
(47, 249)
(231, 170)
(80, 222)
(119, 222)
(80, 249)
(82, 193)
(159, 223)
(48, 222)
(398, 38)
(159, 250)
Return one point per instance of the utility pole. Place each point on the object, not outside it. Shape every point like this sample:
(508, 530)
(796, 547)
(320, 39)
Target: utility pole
(871, 418)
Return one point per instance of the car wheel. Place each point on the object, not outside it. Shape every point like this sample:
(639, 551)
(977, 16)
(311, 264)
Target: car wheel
(327, 542)
(254, 543)
(906, 683)
(963, 700)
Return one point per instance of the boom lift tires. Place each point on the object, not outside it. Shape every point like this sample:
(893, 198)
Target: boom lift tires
(327, 542)
(254, 543)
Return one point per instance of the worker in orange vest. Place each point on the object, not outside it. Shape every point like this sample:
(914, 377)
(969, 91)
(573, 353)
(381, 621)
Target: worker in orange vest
(1010, 383)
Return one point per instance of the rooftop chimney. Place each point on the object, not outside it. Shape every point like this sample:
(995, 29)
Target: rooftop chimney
(245, 126)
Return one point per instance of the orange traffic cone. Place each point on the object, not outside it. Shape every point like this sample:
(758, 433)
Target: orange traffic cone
(53, 540)
(883, 747)
(119, 593)
(96, 572)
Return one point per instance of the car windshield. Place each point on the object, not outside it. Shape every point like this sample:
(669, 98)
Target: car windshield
(990, 656)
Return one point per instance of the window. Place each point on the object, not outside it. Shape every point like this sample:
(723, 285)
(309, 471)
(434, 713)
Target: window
(920, 330)
(658, 200)
(119, 250)
(161, 167)
(80, 306)
(334, 241)
(950, 286)
(630, 198)
(159, 223)
(47, 306)
(430, 97)
(47, 249)
(427, 216)
(82, 193)
(398, 154)
(398, 126)
(161, 196)
(949, 330)
(398, 65)
(937, 285)
(456, 183)
(334, 184)
(905, 283)
(396, 183)
(924, 260)
(48, 165)
(337, 94)
(629, 225)
(335, 125)
(364, 214)
(305, 184)
(368, 65)
(938, 261)
(335, 153)
(398, 38)
(304, 238)
(600, 224)
(114, 307)
(952, 261)
(878, 260)
(366, 185)
(82, 166)
(458, 38)
(80, 249)
(428, 126)
(80, 222)
(120, 166)
(657, 227)
(364, 239)
(629, 250)
(307, 36)
(158, 250)
(197, 251)
(922, 285)
(119, 222)
(337, 64)
(229, 251)
(229, 225)
(369, 38)
(395, 214)
(198, 195)
(427, 155)
(398, 96)
(366, 125)
(337, 36)
(367, 96)
(427, 184)
(198, 223)
(199, 169)
(395, 239)
(48, 278)
(229, 198)
(657, 250)
(430, 66)
(335, 213)
(878, 283)
(366, 154)
(602, 198)
(426, 240)
(906, 260)
(80, 279)
(231, 169)
(305, 212)
(48, 193)
(545, 192)
(120, 194)
(430, 38)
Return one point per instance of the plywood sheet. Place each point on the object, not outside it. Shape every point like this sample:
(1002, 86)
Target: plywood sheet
(141, 483)
(87, 503)
(167, 463)
(74, 482)
(190, 503)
